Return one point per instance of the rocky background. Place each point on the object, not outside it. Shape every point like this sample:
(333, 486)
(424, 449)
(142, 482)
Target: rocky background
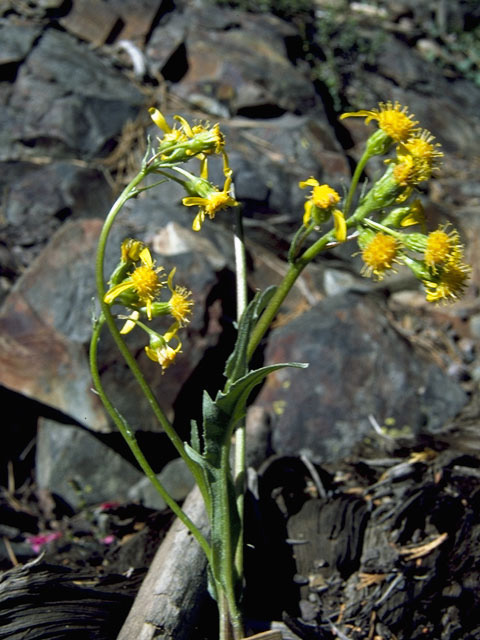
(76, 81)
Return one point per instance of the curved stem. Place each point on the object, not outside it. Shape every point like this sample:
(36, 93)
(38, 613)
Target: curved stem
(129, 192)
(130, 439)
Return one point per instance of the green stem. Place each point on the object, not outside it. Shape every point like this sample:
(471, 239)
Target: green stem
(353, 185)
(129, 192)
(283, 289)
(240, 433)
(228, 571)
(130, 439)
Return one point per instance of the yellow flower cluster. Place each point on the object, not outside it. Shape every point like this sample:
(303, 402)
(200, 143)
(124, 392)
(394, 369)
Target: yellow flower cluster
(136, 283)
(435, 258)
(181, 144)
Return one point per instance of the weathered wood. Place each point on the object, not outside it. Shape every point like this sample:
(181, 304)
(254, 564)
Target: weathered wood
(45, 601)
(172, 592)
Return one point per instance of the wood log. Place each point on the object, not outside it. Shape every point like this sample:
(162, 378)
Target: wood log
(39, 600)
(171, 594)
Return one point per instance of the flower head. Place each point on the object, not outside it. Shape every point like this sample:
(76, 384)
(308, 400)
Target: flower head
(323, 196)
(393, 120)
(160, 351)
(442, 246)
(143, 282)
(449, 283)
(379, 254)
(210, 200)
(180, 305)
(417, 157)
(131, 250)
(321, 205)
(186, 141)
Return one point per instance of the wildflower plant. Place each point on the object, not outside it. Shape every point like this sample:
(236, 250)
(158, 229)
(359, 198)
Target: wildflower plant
(389, 226)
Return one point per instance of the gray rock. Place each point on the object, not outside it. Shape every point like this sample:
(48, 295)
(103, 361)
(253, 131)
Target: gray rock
(74, 465)
(91, 21)
(237, 59)
(16, 40)
(359, 367)
(38, 198)
(67, 100)
(447, 108)
(47, 319)
(175, 477)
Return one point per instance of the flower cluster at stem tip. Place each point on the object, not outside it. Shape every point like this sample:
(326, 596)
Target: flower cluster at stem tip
(384, 212)
(137, 284)
(179, 145)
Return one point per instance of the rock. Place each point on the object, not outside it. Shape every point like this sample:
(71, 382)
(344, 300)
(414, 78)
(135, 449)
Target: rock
(238, 60)
(91, 21)
(166, 47)
(74, 465)
(175, 477)
(359, 367)
(70, 100)
(46, 320)
(138, 17)
(270, 158)
(54, 299)
(446, 108)
(37, 199)
(16, 41)
(39, 362)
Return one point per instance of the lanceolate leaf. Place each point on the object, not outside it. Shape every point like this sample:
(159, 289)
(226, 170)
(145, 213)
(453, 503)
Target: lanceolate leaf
(233, 402)
(237, 363)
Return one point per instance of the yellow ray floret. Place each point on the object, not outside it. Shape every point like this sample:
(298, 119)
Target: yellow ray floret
(214, 201)
(160, 351)
(393, 119)
(449, 284)
(143, 282)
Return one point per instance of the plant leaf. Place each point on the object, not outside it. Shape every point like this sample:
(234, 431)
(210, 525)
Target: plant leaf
(237, 363)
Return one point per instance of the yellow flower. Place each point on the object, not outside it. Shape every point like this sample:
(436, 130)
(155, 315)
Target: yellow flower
(323, 196)
(187, 140)
(416, 215)
(171, 136)
(179, 304)
(160, 351)
(143, 282)
(211, 202)
(393, 119)
(380, 254)
(165, 356)
(449, 284)
(416, 159)
(421, 146)
(321, 205)
(131, 250)
(442, 247)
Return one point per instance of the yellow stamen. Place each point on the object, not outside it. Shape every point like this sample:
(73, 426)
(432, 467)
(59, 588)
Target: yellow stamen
(380, 255)
(442, 247)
